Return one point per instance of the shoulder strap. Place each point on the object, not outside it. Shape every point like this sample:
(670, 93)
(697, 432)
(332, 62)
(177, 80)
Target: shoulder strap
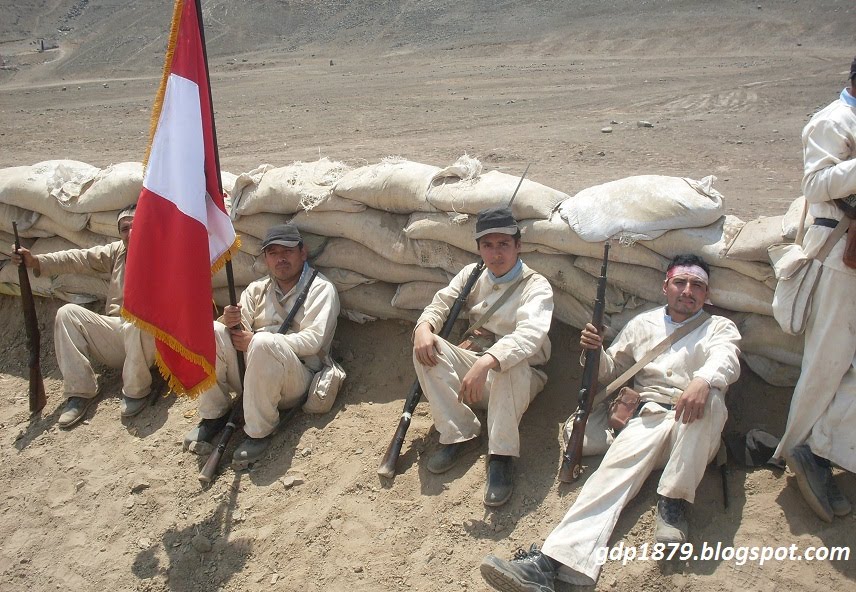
(832, 239)
(301, 298)
(673, 338)
(499, 302)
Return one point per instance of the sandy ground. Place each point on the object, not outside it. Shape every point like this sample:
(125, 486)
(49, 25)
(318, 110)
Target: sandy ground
(116, 505)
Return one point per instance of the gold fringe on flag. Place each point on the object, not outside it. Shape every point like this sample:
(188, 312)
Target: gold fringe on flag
(176, 346)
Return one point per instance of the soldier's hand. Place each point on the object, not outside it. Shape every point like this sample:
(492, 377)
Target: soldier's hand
(692, 401)
(28, 258)
(241, 339)
(425, 345)
(590, 337)
(472, 386)
(232, 316)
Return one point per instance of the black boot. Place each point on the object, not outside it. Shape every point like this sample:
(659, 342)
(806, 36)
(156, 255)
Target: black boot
(500, 480)
(526, 572)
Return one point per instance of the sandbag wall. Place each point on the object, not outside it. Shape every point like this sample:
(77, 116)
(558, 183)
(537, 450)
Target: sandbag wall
(390, 234)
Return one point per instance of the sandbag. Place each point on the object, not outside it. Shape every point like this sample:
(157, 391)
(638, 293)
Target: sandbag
(290, 189)
(762, 335)
(439, 254)
(105, 223)
(40, 188)
(114, 188)
(381, 232)
(83, 239)
(711, 244)
(451, 193)
(642, 207)
(571, 311)
(392, 185)
(793, 217)
(562, 275)
(373, 301)
(556, 236)
(25, 219)
(771, 371)
(347, 254)
(751, 243)
(455, 229)
(258, 224)
(345, 279)
(243, 270)
(415, 295)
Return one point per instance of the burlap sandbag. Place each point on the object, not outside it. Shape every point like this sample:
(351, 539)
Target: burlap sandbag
(562, 275)
(571, 311)
(83, 239)
(711, 244)
(347, 254)
(243, 270)
(290, 189)
(492, 189)
(793, 217)
(105, 223)
(750, 244)
(456, 229)
(25, 219)
(415, 295)
(761, 335)
(258, 224)
(373, 301)
(345, 279)
(392, 185)
(114, 188)
(771, 371)
(555, 236)
(642, 207)
(443, 255)
(381, 232)
(40, 188)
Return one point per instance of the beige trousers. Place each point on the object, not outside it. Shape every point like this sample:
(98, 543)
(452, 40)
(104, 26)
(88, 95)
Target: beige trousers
(507, 395)
(649, 441)
(81, 335)
(823, 407)
(275, 379)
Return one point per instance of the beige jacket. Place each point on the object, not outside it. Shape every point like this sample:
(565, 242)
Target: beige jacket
(520, 324)
(104, 259)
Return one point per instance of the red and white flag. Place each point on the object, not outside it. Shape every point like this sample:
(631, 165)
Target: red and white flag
(182, 233)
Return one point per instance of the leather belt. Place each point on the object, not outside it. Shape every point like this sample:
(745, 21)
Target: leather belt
(827, 222)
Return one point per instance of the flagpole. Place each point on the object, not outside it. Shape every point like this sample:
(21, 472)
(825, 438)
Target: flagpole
(230, 277)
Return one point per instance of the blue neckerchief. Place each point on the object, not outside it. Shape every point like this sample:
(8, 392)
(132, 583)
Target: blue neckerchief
(511, 275)
(669, 320)
(848, 98)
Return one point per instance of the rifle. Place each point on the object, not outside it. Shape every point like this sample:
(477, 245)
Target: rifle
(387, 463)
(573, 455)
(236, 417)
(38, 399)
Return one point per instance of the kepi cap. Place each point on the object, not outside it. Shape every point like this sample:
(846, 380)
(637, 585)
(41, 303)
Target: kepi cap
(496, 220)
(286, 235)
(127, 213)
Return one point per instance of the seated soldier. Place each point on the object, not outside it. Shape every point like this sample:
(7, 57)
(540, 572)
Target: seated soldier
(493, 368)
(279, 366)
(677, 426)
(80, 334)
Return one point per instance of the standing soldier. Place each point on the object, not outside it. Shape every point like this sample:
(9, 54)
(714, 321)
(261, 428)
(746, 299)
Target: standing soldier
(821, 425)
(495, 367)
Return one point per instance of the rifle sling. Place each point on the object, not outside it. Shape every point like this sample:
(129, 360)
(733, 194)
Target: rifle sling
(665, 344)
(499, 302)
(301, 298)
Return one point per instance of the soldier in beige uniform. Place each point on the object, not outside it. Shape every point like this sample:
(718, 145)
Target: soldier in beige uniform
(496, 368)
(677, 427)
(821, 428)
(279, 366)
(80, 334)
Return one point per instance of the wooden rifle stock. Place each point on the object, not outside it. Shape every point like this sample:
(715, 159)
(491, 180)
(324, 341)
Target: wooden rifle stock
(573, 455)
(38, 399)
(387, 463)
(236, 417)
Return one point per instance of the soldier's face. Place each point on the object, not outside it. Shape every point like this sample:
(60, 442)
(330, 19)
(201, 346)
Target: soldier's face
(125, 230)
(285, 263)
(685, 295)
(499, 252)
